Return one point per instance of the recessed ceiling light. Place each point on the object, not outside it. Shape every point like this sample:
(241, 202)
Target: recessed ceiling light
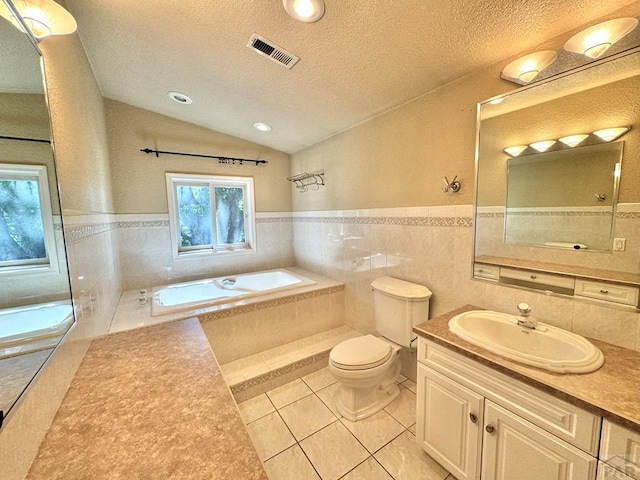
(307, 11)
(263, 127)
(180, 98)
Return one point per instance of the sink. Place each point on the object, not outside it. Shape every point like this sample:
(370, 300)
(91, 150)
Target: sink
(545, 347)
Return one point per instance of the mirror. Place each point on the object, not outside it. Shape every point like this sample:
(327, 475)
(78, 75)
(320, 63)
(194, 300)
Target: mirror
(563, 208)
(35, 297)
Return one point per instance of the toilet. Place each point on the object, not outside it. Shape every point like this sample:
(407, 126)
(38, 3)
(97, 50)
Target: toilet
(367, 367)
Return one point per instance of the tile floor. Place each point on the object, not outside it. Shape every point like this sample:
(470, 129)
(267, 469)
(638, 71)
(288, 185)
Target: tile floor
(299, 436)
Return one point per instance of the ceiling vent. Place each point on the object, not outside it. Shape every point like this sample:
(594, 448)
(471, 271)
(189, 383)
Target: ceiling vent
(271, 50)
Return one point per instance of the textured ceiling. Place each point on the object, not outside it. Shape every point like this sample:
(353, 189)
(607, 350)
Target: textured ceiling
(363, 58)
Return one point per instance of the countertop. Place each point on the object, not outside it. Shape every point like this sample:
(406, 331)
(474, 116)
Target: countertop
(612, 391)
(149, 403)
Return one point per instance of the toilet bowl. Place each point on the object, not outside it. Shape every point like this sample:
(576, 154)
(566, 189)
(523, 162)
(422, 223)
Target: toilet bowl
(367, 369)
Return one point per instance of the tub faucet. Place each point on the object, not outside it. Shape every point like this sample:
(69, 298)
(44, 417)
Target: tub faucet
(523, 319)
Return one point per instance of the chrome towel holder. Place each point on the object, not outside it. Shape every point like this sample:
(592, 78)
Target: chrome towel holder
(305, 180)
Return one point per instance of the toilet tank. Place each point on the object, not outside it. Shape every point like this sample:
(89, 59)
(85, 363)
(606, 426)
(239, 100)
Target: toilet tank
(398, 306)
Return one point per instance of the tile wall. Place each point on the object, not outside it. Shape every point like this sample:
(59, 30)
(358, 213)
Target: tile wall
(146, 259)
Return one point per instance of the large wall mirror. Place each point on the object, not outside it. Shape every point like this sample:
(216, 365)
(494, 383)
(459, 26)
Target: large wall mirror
(565, 200)
(35, 298)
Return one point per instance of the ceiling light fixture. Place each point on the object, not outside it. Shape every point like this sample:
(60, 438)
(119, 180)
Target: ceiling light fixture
(516, 150)
(573, 140)
(263, 127)
(42, 17)
(596, 40)
(180, 98)
(528, 67)
(610, 134)
(543, 145)
(307, 11)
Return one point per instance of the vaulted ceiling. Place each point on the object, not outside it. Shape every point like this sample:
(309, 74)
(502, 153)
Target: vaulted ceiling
(363, 58)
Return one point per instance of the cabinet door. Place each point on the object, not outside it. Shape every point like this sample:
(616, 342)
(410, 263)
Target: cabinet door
(449, 419)
(516, 449)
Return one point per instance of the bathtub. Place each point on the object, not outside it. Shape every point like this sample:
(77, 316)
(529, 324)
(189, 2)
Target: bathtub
(215, 291)
(33, 327)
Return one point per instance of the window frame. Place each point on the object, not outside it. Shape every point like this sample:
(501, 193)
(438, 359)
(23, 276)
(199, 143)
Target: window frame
(174, 180)
(49, 264)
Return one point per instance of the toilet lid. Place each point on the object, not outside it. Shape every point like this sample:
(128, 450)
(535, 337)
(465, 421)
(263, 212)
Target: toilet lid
(360, 353)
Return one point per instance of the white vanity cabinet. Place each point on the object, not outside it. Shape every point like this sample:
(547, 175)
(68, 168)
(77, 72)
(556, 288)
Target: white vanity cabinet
(481, 424)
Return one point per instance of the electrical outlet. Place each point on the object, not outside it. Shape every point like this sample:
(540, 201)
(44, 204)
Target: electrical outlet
(619, 244)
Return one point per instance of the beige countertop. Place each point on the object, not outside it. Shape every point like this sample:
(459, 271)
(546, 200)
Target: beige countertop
(612, 391)
(148, 403)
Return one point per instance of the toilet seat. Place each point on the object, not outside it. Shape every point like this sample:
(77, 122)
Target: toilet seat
(360, 353)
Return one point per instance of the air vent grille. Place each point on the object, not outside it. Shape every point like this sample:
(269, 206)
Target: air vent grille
(272, 51)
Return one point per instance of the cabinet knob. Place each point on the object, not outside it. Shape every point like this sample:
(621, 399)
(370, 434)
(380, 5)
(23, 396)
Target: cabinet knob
(602, 290)
(473, 417)
(489, 428)
(534, 276)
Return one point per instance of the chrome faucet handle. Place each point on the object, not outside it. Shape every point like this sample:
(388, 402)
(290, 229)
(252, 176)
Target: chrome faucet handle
(524, 309)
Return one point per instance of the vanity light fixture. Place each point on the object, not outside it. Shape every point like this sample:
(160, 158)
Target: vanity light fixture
(42, 17)
(610, 134)
(528, 67)
(596, 40)
(543, 145)
(573, 140)
(307, 11)
(180, 98)
(516, 150)
(263, 127)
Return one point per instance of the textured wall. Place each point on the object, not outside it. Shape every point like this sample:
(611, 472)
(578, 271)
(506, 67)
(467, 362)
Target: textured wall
(139, 179)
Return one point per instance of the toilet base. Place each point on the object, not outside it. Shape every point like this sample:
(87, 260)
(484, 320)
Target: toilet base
(356, 403)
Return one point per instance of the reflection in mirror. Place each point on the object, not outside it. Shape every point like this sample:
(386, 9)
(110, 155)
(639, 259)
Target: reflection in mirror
(564, 198)
(35, 299)
(604, 95)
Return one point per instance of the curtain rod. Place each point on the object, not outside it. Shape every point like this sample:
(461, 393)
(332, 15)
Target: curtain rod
(220, 159)
(39, 140)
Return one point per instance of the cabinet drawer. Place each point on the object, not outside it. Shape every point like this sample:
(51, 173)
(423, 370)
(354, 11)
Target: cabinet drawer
(486, 272)
(605, 472)
(607, 291)
(620, 448)
(565, 420)
(537, 277)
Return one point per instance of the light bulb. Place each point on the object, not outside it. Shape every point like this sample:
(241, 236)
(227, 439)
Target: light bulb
(596, 40)
(516, 150)
(573, 140)
(610, 134)
(543, 145)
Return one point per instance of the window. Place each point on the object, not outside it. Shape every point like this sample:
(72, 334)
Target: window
(210, 213)
(27, 241)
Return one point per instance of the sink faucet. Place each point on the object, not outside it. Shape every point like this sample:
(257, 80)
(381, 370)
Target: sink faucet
(523, 319)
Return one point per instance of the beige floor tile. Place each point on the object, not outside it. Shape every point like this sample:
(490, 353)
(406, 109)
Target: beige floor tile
(256, 408)
(306, 416)
(292, 464)
(333, 451)
(270, 436)
(326, 395)
(289, 393)
(375, 431)
(404, 460)
(403, 408)
(369, 470)
(410, 385)
(320, 379)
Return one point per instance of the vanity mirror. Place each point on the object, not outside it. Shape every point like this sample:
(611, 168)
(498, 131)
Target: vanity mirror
(568, 207)
(35, 297)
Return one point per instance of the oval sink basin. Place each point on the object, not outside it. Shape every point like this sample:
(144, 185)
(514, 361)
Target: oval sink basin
(546, 346)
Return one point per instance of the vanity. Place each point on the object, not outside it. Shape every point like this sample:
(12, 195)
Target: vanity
(483, 416)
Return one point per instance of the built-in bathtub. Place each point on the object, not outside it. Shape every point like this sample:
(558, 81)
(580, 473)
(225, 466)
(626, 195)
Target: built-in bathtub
(33, 327)
(216, 291)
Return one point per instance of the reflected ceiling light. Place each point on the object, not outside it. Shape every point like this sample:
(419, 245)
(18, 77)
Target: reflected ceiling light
(263, 127)
(596, 40)
(543, 145)
(516, 150)
(307, 11)
(496, 101)
(610, 134)
(42, 17)
(573, 140)
(528, 67)
(180, 98)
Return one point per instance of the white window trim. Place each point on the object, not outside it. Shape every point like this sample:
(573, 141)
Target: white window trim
(215, 180)
(50, 263)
